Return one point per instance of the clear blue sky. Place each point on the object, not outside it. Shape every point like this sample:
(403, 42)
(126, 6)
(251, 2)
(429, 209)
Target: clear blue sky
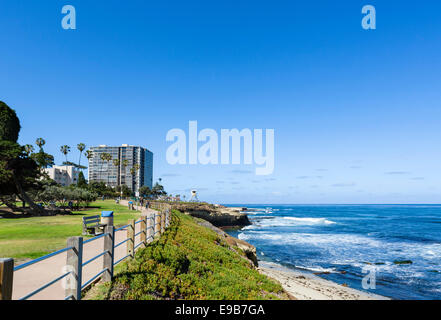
(356, 113)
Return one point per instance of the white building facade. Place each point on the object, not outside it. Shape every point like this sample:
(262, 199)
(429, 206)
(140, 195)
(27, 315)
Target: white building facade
(64, 175)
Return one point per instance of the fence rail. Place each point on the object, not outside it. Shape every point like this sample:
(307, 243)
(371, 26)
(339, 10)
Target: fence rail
(151, 227)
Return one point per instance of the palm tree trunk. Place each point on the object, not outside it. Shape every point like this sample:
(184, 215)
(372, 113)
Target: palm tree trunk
(79, 165)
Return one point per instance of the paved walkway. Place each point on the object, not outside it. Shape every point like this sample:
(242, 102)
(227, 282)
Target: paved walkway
(37, 275)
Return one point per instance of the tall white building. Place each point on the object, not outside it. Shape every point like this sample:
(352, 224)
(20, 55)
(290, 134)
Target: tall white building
(64, 175)
(127, 156)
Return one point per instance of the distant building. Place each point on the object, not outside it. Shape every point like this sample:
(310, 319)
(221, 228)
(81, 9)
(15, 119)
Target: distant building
(64, 175)
(111, 175)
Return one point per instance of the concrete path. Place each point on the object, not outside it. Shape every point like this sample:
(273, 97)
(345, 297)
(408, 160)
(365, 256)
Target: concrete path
(31, 278)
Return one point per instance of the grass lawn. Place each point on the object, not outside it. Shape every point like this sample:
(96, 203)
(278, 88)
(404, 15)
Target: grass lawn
(189, 261)
(24, 238)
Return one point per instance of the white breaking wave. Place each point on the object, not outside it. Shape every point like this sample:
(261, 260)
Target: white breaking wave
(310, 220)
(291, 221)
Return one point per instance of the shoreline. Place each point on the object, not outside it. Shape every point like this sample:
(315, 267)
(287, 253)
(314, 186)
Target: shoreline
(303, 285)
(307, 286)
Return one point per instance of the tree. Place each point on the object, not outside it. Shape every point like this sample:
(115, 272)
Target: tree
(80, 147)
(18, 172)
(29, 148)
(65, 150)
(158, 190)
(107, 157)
(43, 159)
(40, 142)
(72, 164)
(145, 192)
(9, 123)
(89, 154)
(133, 172)
(103, 157)
(116, 163)
(124, 190)
(82, 183)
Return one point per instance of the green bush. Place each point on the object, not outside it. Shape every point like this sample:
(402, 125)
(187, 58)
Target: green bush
(189, 261)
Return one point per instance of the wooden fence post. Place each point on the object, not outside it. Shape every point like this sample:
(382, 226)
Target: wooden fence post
(143, 232)
(150, 228)
(131, 237)
(162, 221)
(6, 278)
(109, 257)
(157, 224)
(75, 266)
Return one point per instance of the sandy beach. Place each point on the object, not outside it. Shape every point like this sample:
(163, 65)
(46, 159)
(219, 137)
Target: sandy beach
(304, 286)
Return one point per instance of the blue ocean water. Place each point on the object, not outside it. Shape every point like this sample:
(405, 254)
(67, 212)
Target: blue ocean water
(341, 240)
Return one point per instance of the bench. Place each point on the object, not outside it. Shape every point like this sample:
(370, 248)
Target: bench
(92, 223)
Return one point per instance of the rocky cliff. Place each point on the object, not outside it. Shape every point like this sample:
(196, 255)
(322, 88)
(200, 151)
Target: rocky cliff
(217, 215)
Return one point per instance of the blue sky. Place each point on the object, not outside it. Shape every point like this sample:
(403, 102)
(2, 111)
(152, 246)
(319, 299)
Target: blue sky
(356, 113)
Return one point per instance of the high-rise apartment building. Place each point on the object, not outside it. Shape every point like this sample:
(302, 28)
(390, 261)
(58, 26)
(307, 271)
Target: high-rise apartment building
(127, 157)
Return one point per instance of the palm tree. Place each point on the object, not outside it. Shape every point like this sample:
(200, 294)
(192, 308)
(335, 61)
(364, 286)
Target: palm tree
(124, 164)
(106, 157)
(103, 158)
(80, 147)
(116, 163)
(40, 142)
(29, 148)
(133, 172)
(65, 150)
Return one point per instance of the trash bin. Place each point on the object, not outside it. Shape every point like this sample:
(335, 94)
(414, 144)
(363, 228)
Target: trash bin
(107, 218)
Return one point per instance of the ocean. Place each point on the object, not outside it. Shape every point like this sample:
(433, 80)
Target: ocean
(398, 244)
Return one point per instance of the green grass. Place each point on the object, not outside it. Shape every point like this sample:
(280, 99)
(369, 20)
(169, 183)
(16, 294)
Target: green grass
(189, 261)
(34, 237)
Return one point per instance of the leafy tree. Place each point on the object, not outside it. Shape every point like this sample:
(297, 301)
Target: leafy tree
(145, 192)
(158, 190)
(43, 159)
(82, 182)
(56, 194)
(124, 190)
(101, 189)
(18, 172)
(9, 123)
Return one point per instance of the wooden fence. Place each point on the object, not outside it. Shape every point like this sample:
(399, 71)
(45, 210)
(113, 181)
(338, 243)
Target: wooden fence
(151, 228)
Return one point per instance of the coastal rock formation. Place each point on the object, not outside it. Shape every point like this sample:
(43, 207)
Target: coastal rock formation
(217, 215)
(248, 249)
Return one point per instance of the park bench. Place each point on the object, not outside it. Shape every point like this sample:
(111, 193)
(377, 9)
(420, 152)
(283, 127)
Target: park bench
(92, 223)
